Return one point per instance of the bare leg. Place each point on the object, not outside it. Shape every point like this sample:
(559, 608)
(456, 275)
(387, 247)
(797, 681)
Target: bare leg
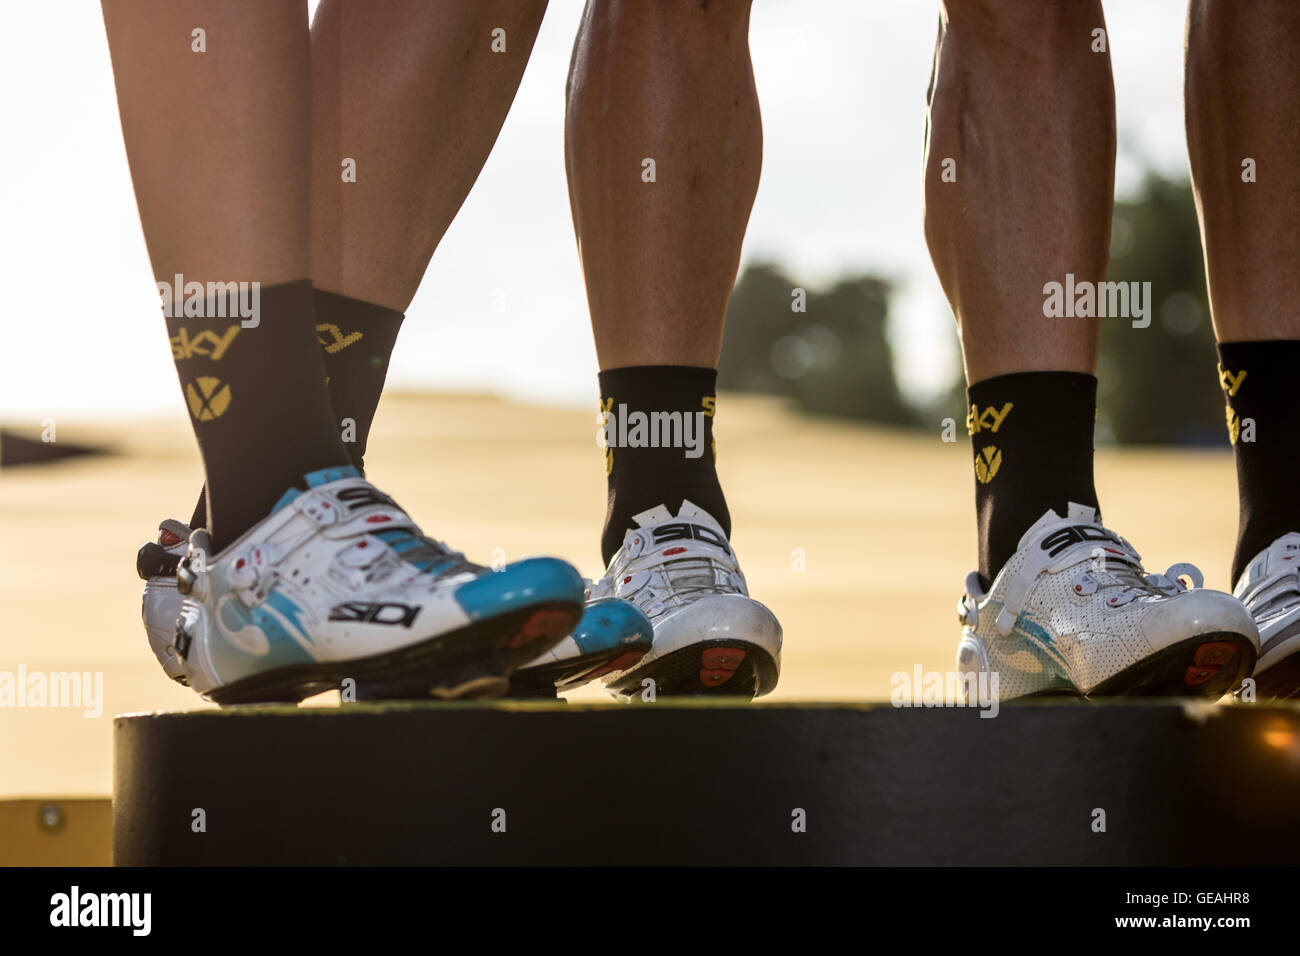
(415, 94)
(1026, 110)
(238, 112)
(1242, 94)
(669, 82)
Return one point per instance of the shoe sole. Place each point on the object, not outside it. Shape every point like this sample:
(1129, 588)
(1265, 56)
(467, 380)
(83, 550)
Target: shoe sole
(716, 668)
(548, 681)
(1206, 666)
(472, 661)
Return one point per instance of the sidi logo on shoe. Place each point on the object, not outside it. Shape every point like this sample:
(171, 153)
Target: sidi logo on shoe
(690, 532)
(375, 613)
(1059, 540)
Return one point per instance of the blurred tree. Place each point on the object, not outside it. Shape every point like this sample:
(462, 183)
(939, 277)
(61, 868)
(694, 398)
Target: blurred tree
(1158, 385)
(825, 349)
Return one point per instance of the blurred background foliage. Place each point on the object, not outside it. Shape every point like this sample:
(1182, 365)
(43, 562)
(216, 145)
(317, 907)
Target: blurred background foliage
(832, 358)
(1157, 385)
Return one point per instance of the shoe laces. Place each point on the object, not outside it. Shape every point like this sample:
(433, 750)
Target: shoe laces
(429, 555)
(1129, 582)
(697, 575)
(681, 581)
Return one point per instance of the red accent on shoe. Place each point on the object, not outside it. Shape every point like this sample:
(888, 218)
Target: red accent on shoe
(1208, 659)
(542, 623)
(718, 665)
(620, 663)
(169, 540)
(378, 519)
(1215, 653)
(673, 551)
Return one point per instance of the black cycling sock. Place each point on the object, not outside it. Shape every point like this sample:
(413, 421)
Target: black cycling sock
(671, 407)
(1032, 437)
(1258, 380)
(357, 339)
(258, 402)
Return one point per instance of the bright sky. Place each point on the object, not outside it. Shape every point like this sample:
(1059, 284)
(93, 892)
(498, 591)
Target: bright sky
(842, 86)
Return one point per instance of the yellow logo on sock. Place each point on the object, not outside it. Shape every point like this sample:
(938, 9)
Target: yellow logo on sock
(1229, 382)
(986, 419)
(1234, 423)
(207, 397)
(207, 344)
(710, 405)
(606, 407)
(337, 341)
(987, 462)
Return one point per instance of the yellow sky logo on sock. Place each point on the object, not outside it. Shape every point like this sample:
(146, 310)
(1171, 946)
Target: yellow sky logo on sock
(986, 419)
(205, 344)
(1229, 382)
(336, 340)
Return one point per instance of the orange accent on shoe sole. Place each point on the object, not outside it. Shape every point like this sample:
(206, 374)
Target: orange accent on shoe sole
(539, 624)
(718, 665)
(1207, 659)
(620, 663)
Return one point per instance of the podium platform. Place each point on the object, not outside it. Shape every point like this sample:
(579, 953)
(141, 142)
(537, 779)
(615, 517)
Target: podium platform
(704, 783)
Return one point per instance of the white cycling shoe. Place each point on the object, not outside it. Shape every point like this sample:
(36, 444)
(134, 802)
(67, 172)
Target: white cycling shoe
(1270, 589)
(710, 636)
(1073, 611)
(337, 583)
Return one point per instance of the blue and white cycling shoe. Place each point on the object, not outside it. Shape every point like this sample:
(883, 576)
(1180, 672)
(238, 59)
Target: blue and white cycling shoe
(337, 583)
(612, 636)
